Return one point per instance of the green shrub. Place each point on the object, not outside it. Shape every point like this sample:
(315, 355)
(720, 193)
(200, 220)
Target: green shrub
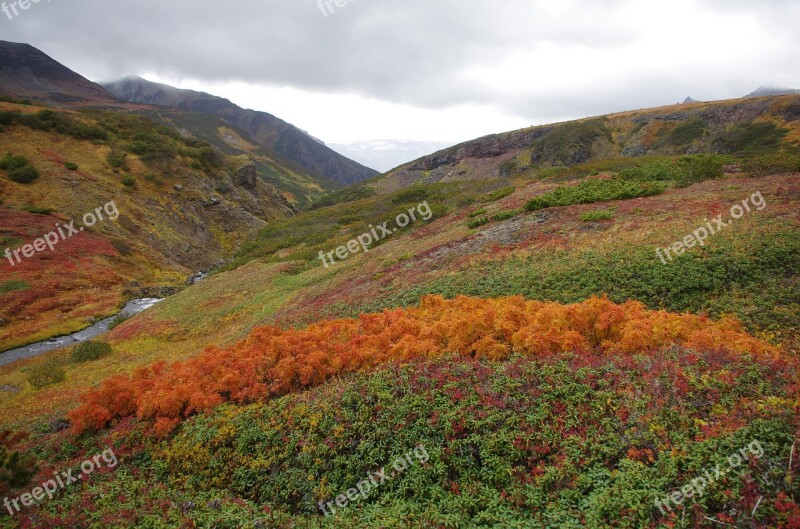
(71, 166)
(412, 195)
(477, 223)
(684, 170)
(117, 159)
(11, 162)
(595, 190)
(505, 215)
(769, 164)
(64, 123)
(600, 214)
(47, 375)
(499, 194)
(477, 213)
(348, 219)
(129, 181)
(751, 138)
(686, 132)
(13, 285)
(24, 175)
(90, 351)
(37, 210)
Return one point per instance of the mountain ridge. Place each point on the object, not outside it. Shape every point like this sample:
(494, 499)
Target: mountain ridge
(28, 72)
(266, 129)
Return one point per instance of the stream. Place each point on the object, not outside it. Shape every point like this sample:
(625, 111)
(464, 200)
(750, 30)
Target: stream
(99, 328)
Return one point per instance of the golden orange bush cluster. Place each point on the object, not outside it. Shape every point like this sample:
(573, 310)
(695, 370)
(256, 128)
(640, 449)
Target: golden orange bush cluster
(272, 361)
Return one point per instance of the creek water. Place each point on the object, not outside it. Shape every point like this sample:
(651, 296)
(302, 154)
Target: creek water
(99, 328)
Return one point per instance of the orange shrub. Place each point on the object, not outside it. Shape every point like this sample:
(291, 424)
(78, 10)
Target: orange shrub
(271, 361)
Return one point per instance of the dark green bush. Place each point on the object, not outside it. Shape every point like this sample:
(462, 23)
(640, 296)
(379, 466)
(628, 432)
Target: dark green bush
(71, 166)
(686, 132)
(596, 190)
(118, 159)
(477, 223)
(769, 164)
(499, 194)
(64, 123)
(37, 210)
(90, 351)
(24, 175)
(505, 215)
(129, 181)
(10, 162)
(751, 138)
(477, 213)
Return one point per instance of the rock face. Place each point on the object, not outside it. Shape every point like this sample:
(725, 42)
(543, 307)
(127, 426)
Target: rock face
(246, 176)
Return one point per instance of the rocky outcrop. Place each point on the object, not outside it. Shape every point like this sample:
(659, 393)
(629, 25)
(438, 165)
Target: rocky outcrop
(246, 176)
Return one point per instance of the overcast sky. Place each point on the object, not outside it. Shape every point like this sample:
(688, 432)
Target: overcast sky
(445, 70)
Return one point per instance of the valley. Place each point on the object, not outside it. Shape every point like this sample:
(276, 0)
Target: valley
(554, 327)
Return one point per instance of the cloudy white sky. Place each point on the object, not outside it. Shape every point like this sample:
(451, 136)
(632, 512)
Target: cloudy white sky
(445, 70)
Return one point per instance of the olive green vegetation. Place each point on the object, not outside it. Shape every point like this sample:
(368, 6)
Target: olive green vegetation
(634, 178)
(19, 169)
(71, 166)
(753, 276)
(90, 351)
(349, 194)
(595, 190)
(597, 215)
(570, 143)
(13, 285)
(38, 210)
(756, 137)
(685, 133)
(325, 228)
(158, 146)
(478, 222)
(47, 374)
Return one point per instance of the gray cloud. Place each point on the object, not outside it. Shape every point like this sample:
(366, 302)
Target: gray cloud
(417, 52)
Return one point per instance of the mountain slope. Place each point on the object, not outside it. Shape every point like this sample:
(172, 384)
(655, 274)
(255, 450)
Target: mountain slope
(744, 126)
(764, 91)
(265, 129)
(27, 73)
(182, 207)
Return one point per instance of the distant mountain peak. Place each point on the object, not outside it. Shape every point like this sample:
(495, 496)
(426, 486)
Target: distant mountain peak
(766, 90)
(689, 100)
(29, 73)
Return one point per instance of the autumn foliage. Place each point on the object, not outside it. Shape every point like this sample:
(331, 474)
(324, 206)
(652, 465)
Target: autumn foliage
(272, 361)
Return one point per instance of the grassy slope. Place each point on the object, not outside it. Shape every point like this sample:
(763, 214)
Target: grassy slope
(741, 126)
(296, 183)
(90, 275)
(543, 255)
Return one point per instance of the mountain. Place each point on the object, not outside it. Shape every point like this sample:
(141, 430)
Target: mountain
(746, 125)
(26, 72)
(265, 129)
(772, 91)
(384, 155)
(182, 206)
